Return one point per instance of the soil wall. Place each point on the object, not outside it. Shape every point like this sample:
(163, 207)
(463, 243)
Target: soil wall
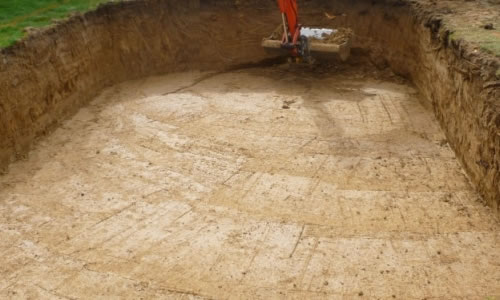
(55, 71)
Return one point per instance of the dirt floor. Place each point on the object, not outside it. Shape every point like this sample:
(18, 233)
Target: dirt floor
(265, 182)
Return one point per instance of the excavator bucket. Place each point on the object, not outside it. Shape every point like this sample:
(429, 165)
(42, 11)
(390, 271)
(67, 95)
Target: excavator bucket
(320, 42)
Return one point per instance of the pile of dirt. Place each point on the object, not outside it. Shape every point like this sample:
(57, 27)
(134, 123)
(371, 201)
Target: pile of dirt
(277, 34)
(340, 36)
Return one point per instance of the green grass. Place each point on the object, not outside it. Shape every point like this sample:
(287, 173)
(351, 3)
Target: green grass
(487, 40)
(15, 15)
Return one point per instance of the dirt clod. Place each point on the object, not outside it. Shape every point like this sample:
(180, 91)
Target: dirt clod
(489, 26)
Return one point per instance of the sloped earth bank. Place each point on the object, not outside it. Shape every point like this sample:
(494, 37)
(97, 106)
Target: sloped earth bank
(225, 180)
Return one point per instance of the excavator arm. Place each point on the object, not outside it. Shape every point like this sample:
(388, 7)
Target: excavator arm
(300, 42)
(291, 27)
(289, 12)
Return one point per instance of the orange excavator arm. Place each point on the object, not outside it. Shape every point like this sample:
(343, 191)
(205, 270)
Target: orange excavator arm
(300, 41)
(289, 11)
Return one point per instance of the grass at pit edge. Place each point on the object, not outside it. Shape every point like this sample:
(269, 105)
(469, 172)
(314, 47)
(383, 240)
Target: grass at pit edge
(16, 15)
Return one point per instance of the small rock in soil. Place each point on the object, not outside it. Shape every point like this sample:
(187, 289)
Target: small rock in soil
(489, 26)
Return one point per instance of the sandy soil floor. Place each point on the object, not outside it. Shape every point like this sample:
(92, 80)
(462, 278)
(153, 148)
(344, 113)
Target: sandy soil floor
(258, 183)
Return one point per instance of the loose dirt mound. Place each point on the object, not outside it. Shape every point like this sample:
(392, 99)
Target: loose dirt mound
(341, 36)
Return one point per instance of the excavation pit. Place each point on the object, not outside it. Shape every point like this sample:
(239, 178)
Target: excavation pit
(225, 178)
